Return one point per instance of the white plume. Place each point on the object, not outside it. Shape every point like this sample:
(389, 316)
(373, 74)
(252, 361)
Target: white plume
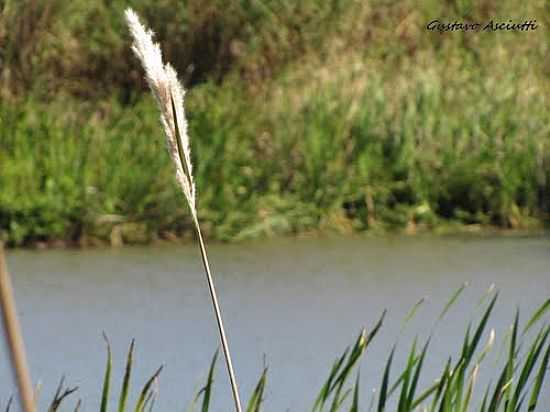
(170, 94)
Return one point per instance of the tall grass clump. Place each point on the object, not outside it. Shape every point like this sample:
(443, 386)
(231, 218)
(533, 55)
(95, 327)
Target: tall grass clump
(517, 375)
(169, 94)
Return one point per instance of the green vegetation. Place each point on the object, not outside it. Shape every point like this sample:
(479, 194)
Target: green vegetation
(518, 385)
(315, 115)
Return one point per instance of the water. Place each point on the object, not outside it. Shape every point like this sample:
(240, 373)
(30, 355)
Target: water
(293, 303)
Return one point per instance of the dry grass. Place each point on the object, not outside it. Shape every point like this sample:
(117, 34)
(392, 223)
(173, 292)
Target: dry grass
(14, 338)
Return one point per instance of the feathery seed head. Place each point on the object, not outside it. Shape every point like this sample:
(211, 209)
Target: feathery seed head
(169, 94)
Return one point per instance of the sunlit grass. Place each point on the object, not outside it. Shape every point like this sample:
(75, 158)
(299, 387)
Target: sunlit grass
(316, 116)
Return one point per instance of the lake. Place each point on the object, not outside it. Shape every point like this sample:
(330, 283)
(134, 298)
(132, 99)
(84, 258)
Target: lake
(292, 303)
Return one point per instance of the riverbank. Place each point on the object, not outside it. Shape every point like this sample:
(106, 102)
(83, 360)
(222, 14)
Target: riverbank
(451, 231)
(369, 124)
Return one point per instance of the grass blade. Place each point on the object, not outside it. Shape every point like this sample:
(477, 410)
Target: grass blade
(539, 380)
(355, 403)
(402, 405)
(107, 377)
(385, 382)
(441, 384)
(498, 392)
(326, 389)
(479, 331)
(537, 315)
(452, 301)
(8, 406)
(413, 311)
(425, 395)
(483, 407)
(470, 388)
(342, 368)
(512, 357)
(416, 376)
(126, 382)
(140, 405)
(529, 364)
(257, 396)
(60, 396)
(207, 390)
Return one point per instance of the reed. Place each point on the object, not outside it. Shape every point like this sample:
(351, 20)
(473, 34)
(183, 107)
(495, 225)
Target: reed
(169, 94)
(14, 338)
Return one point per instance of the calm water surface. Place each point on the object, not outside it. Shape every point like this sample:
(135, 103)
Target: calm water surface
(295, 303)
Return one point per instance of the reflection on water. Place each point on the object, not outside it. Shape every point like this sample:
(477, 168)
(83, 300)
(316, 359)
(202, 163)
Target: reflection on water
(298, 302)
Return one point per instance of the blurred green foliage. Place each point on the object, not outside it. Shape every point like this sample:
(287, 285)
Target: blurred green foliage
(345, 115)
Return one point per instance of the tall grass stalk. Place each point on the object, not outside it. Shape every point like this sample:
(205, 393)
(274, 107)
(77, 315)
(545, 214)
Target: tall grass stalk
(169, 93)
(12, 332)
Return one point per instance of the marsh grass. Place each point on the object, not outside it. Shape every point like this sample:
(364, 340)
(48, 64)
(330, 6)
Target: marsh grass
(518, 385)
(345, 126)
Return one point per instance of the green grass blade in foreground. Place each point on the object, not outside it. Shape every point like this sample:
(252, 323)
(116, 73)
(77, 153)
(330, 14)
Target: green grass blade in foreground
(483, 407)
(511, 364)
(498, 391)
(146, 391)
(342, 368)
(470, 389)
(528, 367)
(425, 395)
(376, 328)
(455, 386)
(8, 405)
(402, 403)
(355, 403)
(126, 382)
(446, 400)
(339, 399)
(106, 378)
(453, 300)
(324, 394)
(207, 389)
(56, 395)
(354, 356)
(257, 396)
(385, 383)
(487, 293)
(361, 344)
(60, 395)
(459, 372)
(416, 377)
(488, 346)
(479, 332)
(537, 315)
(413, 311)
(441, 384)
(537, 386)
(149, 401)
